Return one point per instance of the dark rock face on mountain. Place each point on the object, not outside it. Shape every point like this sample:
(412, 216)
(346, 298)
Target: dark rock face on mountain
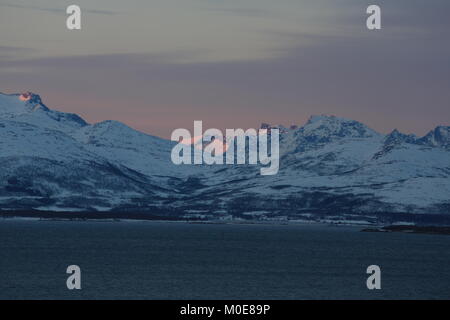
(439, 137)
(331, 167)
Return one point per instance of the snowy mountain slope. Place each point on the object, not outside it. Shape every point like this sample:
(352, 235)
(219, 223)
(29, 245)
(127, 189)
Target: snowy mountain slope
(141, 152)
(338, 164)
(43, 167)
(111, 139)
(56, 161)
(52, 156)
(28, 108)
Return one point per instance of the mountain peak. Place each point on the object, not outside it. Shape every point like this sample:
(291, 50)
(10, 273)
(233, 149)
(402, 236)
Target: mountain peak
(324, 117)
(439, 137)
(30, 97)
(20, 103)
(28, 107)
(396, 137)
(333, 126)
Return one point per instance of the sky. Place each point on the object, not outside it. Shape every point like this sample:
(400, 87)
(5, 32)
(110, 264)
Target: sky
(158, 65)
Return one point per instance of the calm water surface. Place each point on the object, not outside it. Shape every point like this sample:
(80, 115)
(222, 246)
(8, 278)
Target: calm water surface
(166, 260)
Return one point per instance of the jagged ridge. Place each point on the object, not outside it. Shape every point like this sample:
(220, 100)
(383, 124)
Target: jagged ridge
(334, 166)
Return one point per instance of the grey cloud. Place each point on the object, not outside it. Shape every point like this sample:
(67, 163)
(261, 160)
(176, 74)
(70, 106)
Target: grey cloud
(55, 9)
(396, 77)
(246, 12)
(372, 80)
(10, 52)
(14, 49)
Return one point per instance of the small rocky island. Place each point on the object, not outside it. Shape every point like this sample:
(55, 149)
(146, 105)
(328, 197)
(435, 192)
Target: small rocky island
(411, 229)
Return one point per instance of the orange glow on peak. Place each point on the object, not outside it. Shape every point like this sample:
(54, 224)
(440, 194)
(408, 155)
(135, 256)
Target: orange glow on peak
(25, 96)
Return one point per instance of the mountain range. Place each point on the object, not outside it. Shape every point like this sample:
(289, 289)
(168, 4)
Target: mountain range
(331, 168)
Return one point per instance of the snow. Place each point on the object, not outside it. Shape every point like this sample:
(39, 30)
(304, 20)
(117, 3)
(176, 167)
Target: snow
(108, 164)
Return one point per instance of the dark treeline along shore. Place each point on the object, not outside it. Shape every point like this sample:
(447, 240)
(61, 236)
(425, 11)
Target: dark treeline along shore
(411, 229)
(385, 222)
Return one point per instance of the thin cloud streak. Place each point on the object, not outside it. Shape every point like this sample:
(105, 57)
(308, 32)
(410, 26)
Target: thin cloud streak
(285, 90)
(59, 10)
(397, 77)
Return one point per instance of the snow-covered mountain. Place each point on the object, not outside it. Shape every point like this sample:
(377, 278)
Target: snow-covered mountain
(56, 161)
(328, 167)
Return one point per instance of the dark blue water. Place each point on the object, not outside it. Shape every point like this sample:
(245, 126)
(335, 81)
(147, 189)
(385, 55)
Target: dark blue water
(159, 260)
